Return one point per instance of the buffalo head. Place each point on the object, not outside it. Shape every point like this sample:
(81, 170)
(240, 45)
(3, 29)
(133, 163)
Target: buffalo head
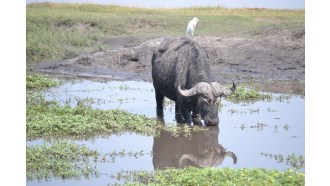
(208, 99)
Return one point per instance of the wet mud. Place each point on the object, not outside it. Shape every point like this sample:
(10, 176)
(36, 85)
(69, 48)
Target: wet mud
(272, 59)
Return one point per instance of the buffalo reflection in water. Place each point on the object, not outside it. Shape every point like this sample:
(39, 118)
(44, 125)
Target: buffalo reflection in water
(201, 149)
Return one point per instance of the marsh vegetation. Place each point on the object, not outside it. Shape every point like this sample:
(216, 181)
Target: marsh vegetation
(55, 128)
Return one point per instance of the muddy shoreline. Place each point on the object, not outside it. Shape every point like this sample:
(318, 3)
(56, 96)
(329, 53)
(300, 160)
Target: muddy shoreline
(272, 60)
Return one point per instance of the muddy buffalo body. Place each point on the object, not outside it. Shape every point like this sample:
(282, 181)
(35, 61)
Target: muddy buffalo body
(181, 72)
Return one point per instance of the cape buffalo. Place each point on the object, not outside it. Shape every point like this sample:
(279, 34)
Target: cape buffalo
(181, 72)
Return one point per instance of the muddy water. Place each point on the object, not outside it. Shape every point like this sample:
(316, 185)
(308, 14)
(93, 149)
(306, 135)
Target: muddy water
(249, 134)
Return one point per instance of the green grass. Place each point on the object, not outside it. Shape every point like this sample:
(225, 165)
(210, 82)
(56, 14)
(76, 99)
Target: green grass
(216, 176)
(60, 31)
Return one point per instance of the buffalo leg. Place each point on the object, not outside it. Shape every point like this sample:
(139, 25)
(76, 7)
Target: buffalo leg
(186, 115)
(178, 114)
(160, 105)
(196, 119)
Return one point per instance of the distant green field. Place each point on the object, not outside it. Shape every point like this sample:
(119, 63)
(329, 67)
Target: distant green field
(60, 31)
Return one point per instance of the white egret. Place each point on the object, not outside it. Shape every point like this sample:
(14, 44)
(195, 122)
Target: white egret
(191, 27)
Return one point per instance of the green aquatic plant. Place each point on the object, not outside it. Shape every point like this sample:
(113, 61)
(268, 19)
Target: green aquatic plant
(185, 130)
(259, 126)
(49, 119)
(67, 160)
(243, 126)
(286, 127)
(283, 97)
(293, 160)
(270, 109)
(211, 176)
(111, 156)
(244, 94)
(61, 160)
(124, 87)
(254, 110)
(36, 81)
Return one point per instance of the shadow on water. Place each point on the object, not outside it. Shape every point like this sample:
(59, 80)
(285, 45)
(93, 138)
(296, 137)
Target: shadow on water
(262, 134)
(202, 149)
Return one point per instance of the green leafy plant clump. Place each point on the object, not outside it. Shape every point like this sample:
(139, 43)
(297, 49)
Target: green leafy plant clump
(244, 94)
(49, 119)
(61, 160)
(35, 81)
(217, 176)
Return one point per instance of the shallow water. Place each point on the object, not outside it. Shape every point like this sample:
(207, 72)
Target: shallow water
(248, 130)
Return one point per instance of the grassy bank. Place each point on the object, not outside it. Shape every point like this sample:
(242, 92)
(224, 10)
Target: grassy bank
(60, 31)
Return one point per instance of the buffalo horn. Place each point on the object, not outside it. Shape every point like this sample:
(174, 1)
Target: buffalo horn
(199, 88)
(232, 155)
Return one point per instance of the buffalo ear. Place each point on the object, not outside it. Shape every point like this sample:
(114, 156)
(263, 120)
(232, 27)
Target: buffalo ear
(219, 90)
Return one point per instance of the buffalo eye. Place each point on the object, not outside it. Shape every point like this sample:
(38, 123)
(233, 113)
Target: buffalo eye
(206, 101)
